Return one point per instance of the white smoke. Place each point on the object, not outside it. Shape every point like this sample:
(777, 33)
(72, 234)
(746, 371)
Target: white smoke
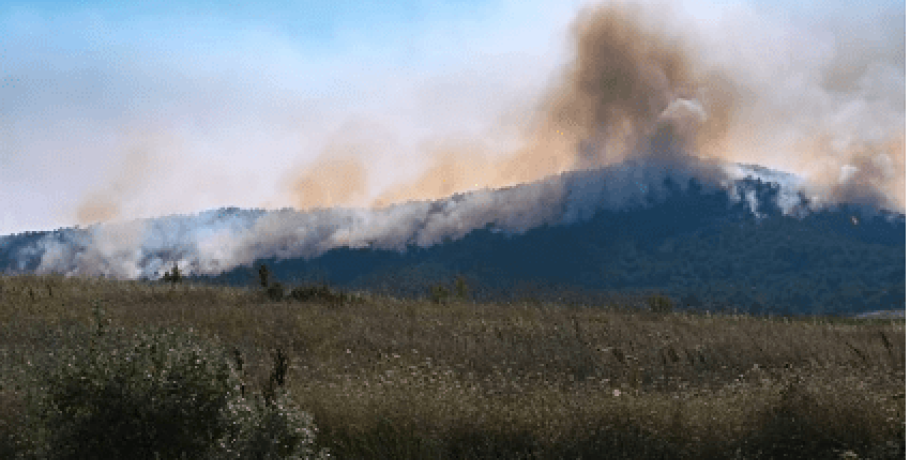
(215, 241)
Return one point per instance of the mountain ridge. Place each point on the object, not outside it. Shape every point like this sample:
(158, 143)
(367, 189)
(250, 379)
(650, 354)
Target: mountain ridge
(821, 263)
(683, 228)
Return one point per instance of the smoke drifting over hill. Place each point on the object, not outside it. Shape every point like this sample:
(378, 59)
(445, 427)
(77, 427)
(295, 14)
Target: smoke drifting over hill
(643, 94)
(220, 240)
(641, 86)
(630, 92)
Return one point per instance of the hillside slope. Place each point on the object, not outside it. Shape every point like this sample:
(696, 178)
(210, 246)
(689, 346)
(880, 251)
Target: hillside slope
(704, 248)
(708, 236)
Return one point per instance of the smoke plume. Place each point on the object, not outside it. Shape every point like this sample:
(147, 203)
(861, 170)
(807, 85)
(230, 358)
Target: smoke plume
(333, 181)
(630, 91)
(145, 157)
(644, 95)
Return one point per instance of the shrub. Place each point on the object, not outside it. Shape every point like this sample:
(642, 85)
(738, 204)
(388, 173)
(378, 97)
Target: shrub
(660, 304)
(174, 276)
(439, 294)
(275, 291)
(159, 394)
(275, 430)
(273, 426)
(461, 288)
(164, 393)
(264, 275)
(277, 377)
(318, 292)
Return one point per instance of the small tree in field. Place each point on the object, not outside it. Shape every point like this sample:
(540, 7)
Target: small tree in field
(439, 294)
(461, 288)
(173, 276)
(264, 275)
(275, 292)
(660, 303)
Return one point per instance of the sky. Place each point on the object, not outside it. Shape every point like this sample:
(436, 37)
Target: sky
(110, 112)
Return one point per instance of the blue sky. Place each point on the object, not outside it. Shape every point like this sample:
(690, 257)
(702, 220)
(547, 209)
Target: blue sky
(171, 107)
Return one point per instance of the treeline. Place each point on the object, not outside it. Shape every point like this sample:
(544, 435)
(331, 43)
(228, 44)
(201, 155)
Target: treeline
(777, 265)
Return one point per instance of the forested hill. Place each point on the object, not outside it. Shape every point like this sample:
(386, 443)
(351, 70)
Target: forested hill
(703, 249)
(743, 237)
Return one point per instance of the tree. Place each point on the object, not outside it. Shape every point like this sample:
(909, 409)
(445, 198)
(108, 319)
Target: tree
(275, 292)
(461, 288)
(173, 276)
(439, 294)
(264, 275)
(660, 303)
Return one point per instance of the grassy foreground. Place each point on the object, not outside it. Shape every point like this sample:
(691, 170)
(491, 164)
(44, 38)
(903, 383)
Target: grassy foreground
(389, 378)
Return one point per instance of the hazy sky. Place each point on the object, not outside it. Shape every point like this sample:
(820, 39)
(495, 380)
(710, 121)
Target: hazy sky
(175, 107)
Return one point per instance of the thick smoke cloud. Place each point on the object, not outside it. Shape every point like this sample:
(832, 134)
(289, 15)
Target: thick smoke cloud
(334, 180)
(814, 97)
(871, 173)
(214, 241)
(629, 91)
(145, 156)
(817, 94)
(623, 78)
(642, 94)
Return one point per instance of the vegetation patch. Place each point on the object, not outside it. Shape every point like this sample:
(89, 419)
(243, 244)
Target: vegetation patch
(246, 377)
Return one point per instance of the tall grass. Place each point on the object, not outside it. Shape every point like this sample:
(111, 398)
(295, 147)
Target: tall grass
(391, 378)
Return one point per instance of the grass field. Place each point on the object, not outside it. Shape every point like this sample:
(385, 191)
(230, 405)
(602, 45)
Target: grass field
(390, 378)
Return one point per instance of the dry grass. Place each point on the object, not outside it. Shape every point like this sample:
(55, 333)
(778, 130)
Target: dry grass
(388, 378)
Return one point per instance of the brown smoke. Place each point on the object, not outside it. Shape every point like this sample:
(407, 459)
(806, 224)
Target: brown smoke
(624, 76)
(455, 167)
(340, 174)
(821, 97)
(719, 96)
(629, 85)
(637, 87)
(332, 181)
(143, 160)
(872, 173)
(97, 207)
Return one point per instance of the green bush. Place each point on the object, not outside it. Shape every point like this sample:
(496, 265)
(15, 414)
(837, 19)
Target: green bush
(158, 395)
(277, 377)
(439, 294)
(275, 430)
(461, 288)
(275, 291)
(174, 276)
(264, 276)
(320, 292)
(660, 304)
